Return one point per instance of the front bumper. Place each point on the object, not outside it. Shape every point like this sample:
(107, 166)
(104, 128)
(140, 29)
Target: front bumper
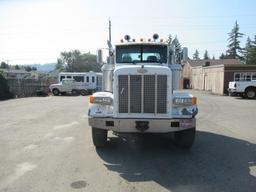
(153, 125)
(232, 90)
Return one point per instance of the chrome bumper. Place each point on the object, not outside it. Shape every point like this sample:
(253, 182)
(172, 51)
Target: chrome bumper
(133, 125)
(232, 90)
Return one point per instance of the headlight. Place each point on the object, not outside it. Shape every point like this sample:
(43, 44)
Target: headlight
(185, 101)
(101, 100)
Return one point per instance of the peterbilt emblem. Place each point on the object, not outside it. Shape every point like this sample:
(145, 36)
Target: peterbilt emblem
(142, 70)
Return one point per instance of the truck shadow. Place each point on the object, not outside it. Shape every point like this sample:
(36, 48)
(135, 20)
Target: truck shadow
(215, 163)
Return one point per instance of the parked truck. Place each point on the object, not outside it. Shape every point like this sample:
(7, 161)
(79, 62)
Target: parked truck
(83, 83)
(244, 85)
(139, 93)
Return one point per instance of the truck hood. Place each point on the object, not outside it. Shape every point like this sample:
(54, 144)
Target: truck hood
(56, 84)
(142, 69)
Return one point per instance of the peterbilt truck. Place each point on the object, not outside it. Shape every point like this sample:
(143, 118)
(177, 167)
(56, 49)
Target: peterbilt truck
(140, 95)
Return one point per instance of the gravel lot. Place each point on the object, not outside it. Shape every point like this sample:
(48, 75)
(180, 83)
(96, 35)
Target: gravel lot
(45, 145)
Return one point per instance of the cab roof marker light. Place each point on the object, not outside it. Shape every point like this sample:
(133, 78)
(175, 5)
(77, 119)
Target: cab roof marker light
(141, 39)
(155, 36)
(127, 38)
(133, 40)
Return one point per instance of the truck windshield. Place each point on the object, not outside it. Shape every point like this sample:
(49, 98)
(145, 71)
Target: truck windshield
(141, 53)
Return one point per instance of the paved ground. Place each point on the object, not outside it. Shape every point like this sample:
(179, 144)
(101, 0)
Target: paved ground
(45, 145)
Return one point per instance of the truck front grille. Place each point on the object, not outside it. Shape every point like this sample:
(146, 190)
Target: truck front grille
(142, 93)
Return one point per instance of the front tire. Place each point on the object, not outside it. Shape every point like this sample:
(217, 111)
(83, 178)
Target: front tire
(99, 137)
(55, 92)
(185, 138)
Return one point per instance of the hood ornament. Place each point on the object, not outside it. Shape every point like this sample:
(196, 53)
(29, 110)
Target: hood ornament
(142, 69)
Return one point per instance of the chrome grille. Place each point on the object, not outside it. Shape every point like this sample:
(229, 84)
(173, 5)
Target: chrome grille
(161, 93)
(135, 97)
(149, 92)
(142, 93)
(123, 93)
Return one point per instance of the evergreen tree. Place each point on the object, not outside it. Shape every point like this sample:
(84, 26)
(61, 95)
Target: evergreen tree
(177, 46)
(17, 67)
(206, 55)
(246, 50)
(4, 89)
(250, 52)
(4, 65)
(234, 43)
(28, 68)
(222, 56)
(196, 55)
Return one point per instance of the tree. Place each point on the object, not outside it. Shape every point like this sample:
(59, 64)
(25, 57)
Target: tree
(4, 65)
(34, 69)
(247, 50)
(177, 44)
(60, 65)
(75, 61)
(196, 55)
(213, 57)
(28, 68)
(250, 51)
(206, 55)
(17, 67)
(222, 56)
(4, 89)
(234, 48)
(177, 47)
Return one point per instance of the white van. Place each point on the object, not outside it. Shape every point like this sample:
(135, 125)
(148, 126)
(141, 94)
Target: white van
(85, 81)
(82, 82)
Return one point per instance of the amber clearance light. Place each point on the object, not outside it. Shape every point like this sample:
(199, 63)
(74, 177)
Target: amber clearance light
(91, 99)
(194, 100)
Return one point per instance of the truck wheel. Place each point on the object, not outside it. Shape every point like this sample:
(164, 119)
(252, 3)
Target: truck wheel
(185, 138)
(55, 92)
(84, 92)
(250, 93)
(99, 137)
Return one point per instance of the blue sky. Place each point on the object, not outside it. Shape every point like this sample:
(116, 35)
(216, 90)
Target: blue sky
(36, 31)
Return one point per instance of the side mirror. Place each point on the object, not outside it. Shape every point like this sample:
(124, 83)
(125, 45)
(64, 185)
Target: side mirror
(100, 56)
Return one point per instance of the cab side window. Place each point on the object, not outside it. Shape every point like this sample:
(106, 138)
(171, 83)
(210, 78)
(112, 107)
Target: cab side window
(62, 77)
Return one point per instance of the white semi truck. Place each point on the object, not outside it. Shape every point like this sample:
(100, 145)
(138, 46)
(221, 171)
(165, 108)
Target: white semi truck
(139, 96)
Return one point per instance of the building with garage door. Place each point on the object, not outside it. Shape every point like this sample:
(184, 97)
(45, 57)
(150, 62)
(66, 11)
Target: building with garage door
(214, 75)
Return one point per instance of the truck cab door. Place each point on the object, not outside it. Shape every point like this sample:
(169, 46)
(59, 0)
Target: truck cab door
(93, 81)
(67, 86)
